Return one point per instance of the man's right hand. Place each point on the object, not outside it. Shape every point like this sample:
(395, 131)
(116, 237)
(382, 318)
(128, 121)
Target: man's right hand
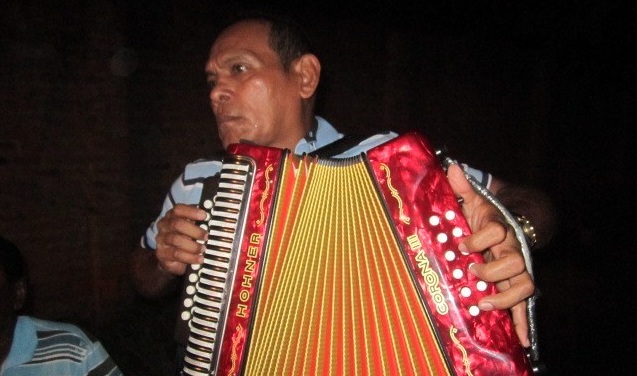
(179, 239)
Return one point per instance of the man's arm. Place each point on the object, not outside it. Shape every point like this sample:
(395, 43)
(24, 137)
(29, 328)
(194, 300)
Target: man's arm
(150, 279)
(178, 244)
(531, 203)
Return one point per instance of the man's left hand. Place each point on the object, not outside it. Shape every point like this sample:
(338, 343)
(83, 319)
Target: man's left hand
(502, 252)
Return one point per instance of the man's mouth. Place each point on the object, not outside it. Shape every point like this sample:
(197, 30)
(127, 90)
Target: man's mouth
(225, 120)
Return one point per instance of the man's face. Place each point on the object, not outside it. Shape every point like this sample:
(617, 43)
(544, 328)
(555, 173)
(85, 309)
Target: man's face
(252, 97)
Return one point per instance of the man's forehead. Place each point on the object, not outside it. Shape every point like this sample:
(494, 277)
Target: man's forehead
(246, 38)
(242, 33)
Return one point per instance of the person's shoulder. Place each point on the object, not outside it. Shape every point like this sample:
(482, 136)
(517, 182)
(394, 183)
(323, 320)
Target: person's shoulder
(202, 168)
(325, 130)
(61, 332)
(74, 348)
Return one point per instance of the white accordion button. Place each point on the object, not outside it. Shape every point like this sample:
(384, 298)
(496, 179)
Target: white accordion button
(457, 273)
(450, 255)
(481, 285)
(442, 238)
(188, 302)
(190, 290)
(193, 277)
(185, 315)
(207, 204)
(457, 232)
(450, 215)
(465, 291)
(474, 310)
(434, 220)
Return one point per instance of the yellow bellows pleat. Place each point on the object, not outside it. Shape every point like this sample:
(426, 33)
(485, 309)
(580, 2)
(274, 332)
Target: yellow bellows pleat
(336, 296)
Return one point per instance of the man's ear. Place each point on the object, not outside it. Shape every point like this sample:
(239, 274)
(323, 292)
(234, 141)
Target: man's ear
(308, 69)
(20, 291)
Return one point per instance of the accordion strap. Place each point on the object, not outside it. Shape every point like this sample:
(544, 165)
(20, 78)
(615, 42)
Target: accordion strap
(339, 146)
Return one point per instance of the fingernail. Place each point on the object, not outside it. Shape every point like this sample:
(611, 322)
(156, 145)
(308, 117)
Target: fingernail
(485, 306)
(462, 248)
(471, 269)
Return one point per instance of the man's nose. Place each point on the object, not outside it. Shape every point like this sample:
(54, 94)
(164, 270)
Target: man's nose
(220, 93)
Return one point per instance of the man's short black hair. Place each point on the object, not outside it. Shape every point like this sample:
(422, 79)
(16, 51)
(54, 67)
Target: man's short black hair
(287, 37)
(11, 261)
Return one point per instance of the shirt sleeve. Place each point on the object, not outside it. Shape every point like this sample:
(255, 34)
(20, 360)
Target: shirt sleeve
(483, 178)
(100, 363)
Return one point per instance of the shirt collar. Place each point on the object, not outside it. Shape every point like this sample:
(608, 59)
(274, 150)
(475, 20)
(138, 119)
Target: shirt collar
(321, 134)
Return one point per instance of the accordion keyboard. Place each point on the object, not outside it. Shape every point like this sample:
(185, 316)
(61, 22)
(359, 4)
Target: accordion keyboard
(209, 283)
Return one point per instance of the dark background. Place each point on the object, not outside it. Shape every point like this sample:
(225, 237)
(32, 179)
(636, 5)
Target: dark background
(104, 102)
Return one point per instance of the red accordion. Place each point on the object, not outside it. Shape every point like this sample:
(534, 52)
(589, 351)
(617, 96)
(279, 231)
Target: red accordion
(341, 267)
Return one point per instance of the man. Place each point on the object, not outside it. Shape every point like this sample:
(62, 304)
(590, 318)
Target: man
(30, 346)
(263, 80)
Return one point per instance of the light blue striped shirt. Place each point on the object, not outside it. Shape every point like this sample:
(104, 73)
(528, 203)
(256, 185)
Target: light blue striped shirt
(50, 348)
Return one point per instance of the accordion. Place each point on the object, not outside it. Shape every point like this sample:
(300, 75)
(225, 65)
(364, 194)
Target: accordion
(341, 267)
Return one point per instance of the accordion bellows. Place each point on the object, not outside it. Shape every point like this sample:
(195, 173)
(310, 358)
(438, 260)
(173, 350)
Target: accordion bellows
(341, 267)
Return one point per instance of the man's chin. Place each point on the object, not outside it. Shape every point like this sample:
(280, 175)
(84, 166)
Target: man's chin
(227, 141)
(227, 144)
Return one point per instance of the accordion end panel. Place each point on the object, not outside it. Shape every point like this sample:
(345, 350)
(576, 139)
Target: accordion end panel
(429, 221)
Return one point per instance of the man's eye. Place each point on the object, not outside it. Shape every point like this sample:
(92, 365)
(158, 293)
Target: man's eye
(211, 84)
(239, 68)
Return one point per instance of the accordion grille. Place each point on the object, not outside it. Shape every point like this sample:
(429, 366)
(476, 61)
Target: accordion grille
(336, 296)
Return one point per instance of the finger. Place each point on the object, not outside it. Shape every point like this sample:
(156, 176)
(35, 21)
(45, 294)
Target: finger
(172, 222)
(521, 323)
(189, 212)
(175, 246)
(483, 218)
(173, 267)
(187, 228)
(187, 257)
(459, 183)
(508, 264)
(490, 234)
(512, 292)
(175, 260)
